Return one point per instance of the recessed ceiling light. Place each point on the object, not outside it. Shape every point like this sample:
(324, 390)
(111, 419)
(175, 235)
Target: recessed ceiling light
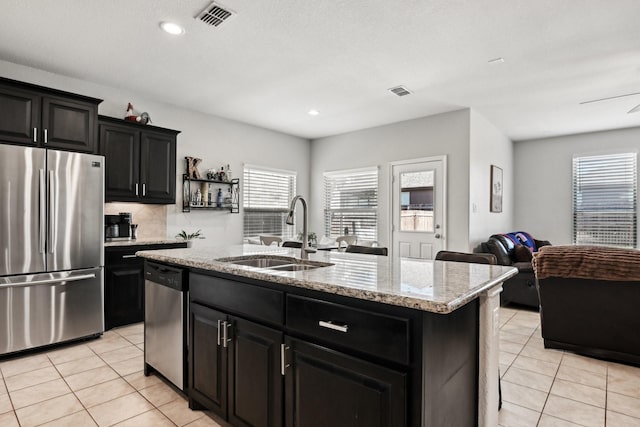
(172, 28)
(313, 112)
(496, 60)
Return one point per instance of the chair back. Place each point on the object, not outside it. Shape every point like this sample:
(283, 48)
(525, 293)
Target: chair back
(291, 244)
(376, 250)
(269, 240)
(475, 258)
(348, 240)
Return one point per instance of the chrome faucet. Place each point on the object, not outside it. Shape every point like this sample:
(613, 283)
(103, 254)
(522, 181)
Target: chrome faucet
(305, 250)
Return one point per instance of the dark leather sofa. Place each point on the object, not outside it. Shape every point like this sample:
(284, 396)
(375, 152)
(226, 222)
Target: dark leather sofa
(520, 289)
(589, 299)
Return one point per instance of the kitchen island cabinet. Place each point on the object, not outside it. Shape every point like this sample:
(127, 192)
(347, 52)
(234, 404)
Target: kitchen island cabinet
(402, 342)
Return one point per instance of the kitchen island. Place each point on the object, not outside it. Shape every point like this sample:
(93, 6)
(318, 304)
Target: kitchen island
(366, 340)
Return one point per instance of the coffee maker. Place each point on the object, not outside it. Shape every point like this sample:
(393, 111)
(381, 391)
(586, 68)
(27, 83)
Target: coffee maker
(117, 227)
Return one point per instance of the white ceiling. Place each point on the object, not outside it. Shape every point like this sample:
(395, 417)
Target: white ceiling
(276, 59)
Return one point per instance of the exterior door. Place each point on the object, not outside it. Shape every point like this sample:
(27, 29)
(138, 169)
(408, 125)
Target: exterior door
(418, 207)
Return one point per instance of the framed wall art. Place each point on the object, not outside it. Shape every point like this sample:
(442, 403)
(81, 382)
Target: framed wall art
(495, 204)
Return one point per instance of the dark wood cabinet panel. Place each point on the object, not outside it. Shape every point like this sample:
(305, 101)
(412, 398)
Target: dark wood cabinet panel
(49, 118)
(208, 361)
(19, 115)
(124, 283)
(124, 297)
(69, 125)
(326, 388)
(158, 166)
(255, 386)
(121, 148)
(140, 162)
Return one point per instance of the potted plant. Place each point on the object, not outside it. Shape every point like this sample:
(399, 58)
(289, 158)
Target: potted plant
(189, 236)
(312, 238)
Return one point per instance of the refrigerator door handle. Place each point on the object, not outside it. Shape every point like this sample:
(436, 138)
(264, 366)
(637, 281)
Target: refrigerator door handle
(42, 212)
(52, 212)
(61, 281)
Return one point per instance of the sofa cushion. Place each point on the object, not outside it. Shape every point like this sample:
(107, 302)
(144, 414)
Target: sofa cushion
(587, 262)
(496, 247)
(522, 254)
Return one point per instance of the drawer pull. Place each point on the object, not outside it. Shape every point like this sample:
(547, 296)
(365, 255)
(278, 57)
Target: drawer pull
(336, 327)
(128, 256)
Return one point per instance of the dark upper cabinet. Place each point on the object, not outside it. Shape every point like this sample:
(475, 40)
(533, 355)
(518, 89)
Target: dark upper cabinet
(42, 117)
(140, 162)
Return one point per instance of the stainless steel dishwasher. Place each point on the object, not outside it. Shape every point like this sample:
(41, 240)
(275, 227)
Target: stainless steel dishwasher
(166, 322)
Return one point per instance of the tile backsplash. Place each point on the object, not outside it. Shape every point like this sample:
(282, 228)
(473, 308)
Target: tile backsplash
(151, 219)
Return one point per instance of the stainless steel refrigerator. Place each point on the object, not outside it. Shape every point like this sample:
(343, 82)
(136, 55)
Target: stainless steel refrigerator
(51, 247)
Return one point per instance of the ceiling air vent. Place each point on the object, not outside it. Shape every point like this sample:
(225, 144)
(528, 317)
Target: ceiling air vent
(400, 90)
(214, 15)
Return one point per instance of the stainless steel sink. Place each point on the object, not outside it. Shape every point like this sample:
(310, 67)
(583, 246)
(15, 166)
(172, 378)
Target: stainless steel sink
(277, 263)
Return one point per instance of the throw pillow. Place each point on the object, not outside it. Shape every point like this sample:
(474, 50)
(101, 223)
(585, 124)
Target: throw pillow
(522, 253)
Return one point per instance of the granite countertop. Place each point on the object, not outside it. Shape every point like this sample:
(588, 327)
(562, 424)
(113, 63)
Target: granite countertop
(435, 286)
(143, 241)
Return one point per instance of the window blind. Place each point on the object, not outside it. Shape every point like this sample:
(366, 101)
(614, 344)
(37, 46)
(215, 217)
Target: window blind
(351, 201)
(605, 200)
(266, 198)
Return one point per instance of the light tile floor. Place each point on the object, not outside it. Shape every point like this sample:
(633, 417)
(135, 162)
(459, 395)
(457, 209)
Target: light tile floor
(100, 382)
(92, 383)
(552, 388)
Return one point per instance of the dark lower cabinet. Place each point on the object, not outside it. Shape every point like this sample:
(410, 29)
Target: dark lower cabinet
(124, 283)
(235, 368)
(124, 297)
(327, 388)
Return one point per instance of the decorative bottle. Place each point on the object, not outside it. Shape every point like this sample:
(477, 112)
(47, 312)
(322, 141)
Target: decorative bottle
(219, 198)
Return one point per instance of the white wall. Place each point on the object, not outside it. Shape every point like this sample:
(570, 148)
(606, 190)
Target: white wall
(488, 146)
(543, 199)
(446, 133)
(216, 140)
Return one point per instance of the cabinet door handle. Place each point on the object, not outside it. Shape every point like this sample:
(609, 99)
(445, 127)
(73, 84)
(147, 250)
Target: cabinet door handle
(136, 189)
(225, 334)
(335, 326)
(219, 327)
(144, 190)
(283, 358)
(46, 137)
(35, 134)
(128, 256)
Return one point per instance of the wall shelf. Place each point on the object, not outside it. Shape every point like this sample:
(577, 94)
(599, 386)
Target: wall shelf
(190, 186)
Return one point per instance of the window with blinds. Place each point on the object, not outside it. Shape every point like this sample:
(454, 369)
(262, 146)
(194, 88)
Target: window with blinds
(605, 200)
(351, 203)
(267, 195)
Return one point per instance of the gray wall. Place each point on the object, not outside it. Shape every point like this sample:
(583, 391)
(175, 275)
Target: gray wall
(214, 139)
(543, 199)
(488, 146)
(441, 134)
